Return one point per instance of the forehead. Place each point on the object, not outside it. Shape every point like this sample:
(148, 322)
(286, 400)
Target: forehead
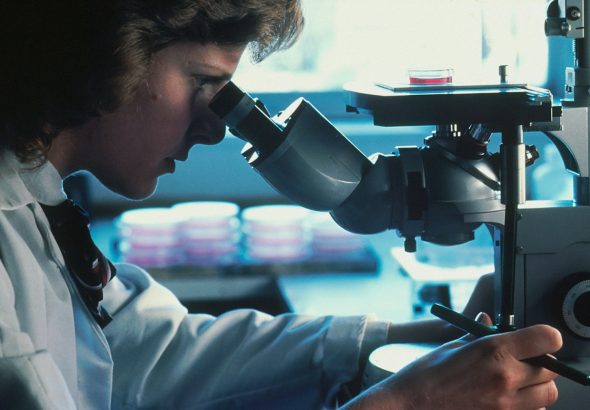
(211, 58)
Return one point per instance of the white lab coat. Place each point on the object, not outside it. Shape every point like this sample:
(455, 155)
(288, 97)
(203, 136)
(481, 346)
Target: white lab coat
(153, 354)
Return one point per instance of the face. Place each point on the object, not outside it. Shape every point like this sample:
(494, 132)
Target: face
(129, 149)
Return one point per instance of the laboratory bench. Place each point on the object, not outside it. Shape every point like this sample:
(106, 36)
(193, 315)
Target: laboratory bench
(385, 289)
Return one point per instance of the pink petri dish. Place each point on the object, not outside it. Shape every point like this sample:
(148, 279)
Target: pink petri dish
(276, 233)
(206, 214)
(431, 77)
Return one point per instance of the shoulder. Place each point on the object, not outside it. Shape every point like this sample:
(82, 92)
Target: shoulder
(14, 193)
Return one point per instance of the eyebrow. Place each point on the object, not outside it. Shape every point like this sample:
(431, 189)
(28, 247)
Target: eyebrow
(223, 77)
(208, 72)
(198, 66)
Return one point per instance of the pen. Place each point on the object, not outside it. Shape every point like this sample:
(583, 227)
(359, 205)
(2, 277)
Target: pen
(478, 329)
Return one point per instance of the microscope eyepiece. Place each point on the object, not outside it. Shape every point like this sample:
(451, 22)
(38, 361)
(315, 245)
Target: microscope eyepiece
(246, 119)
(226, 99)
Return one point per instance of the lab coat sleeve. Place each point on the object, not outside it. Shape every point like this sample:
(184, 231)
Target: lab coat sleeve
(29, 378)
(166, 358)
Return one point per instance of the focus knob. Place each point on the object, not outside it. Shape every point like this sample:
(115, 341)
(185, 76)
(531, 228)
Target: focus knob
(575, 308)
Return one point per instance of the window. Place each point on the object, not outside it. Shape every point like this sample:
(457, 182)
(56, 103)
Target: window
(379, 40)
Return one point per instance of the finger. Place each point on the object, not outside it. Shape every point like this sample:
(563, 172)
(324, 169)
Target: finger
(530, 375)
(532, 341)
(537, 396)
(484, 319)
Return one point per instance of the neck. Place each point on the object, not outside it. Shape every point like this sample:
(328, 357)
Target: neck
(63, 153)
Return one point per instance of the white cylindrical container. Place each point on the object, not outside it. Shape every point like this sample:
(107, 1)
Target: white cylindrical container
(276, 233)
(149, 237)
(389, 359)
(209, 233)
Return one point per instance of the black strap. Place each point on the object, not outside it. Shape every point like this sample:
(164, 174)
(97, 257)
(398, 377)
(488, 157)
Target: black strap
(90, 269)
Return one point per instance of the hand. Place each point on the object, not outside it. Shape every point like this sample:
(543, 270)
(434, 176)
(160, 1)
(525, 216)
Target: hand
(483, 374)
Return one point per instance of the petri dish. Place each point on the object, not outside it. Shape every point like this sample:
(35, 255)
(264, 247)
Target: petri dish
(431, 77)
(276, 232)
(275, 214)
(206, 214)
(149, 220)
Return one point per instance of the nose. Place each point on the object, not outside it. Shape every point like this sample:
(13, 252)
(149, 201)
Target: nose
(206, 127)
(216, 129)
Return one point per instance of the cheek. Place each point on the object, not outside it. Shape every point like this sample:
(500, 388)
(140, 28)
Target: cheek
(168, 117)
(127, 142)
(163, 109)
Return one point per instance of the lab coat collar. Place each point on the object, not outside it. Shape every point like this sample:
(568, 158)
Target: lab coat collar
(24, 183)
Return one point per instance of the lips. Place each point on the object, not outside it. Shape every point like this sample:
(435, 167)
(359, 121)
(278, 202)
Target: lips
(181, 157)
(181, 154)
(169, 165)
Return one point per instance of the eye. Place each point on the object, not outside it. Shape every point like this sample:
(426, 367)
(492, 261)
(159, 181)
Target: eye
(202, 82)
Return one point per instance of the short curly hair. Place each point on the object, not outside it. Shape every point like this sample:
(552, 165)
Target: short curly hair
(67, 61)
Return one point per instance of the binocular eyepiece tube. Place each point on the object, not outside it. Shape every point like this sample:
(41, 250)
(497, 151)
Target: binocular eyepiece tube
(298, 152)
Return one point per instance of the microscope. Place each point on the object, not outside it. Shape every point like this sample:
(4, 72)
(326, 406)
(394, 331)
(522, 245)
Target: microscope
(444, 190)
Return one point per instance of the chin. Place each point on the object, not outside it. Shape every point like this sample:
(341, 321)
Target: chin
(134, 191)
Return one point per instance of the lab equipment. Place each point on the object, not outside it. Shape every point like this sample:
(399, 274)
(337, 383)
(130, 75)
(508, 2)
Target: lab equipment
(149, 237)
(209, 234)
(444, 190)
(276, 233)
(435, 281)
(329, 240)
(389, 359)
(218, 237)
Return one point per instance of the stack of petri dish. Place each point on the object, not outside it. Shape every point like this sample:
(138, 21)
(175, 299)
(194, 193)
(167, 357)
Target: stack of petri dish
(329, 239)
(148, 237)
(210, 232)
(276, 233)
